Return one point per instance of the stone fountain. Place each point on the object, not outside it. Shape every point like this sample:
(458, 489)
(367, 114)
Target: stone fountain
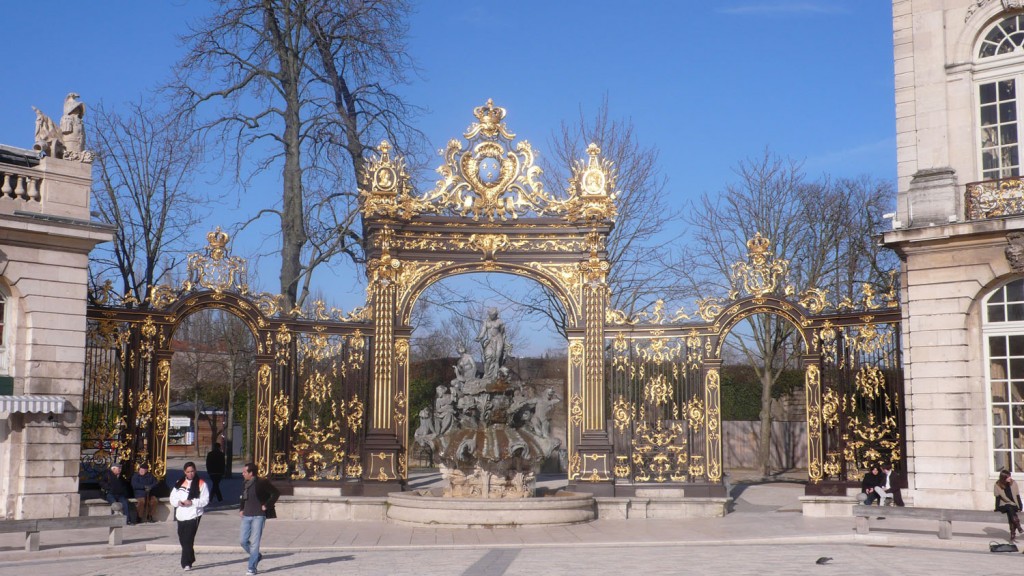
(491, 436)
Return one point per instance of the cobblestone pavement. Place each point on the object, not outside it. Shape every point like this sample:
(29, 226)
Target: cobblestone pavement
(637, 560)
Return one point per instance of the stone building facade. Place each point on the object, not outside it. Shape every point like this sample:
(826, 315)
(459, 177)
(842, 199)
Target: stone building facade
(46, 235)
(960, 210)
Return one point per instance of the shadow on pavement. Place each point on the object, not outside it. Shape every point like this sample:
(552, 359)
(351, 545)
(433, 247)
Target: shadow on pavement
(318, 561)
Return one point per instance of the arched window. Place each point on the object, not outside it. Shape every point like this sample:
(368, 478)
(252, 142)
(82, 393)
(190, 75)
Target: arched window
(1003, 324)
(1006, 36)
(999, 109)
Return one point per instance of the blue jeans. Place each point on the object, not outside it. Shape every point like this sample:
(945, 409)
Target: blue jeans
(252, 531)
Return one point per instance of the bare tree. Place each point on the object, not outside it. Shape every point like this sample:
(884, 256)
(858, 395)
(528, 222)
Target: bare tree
(304, 87)
(823, 228)
(142, 185)
(642, 270)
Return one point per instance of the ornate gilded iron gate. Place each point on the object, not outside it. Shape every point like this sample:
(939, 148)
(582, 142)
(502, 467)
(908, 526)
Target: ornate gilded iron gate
(663, 381)
(660, 406)
(311, 380)
(644, 404)
(862, 419)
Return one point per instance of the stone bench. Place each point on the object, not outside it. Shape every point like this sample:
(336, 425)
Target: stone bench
(32, 528)
(100, 507)
(945, 516)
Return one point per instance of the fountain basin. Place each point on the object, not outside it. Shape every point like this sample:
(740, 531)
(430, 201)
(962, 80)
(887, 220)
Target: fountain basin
(421, 509)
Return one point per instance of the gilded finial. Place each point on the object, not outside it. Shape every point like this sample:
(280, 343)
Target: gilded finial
(758, 248)
(218, 241)
(490, 122)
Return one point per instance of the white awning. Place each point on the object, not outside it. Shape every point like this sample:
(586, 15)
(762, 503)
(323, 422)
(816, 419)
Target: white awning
(32, 403)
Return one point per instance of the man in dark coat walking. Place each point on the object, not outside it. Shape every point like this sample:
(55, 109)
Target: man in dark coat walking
(215, 468)
(258, 498)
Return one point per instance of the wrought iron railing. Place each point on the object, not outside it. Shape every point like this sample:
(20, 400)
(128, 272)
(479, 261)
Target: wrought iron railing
(994, 198)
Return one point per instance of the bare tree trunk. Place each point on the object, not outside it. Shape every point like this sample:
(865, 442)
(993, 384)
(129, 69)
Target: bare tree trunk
(764, 445)
(196, 422)
(314, 78)
(293, 229)
(229, 427)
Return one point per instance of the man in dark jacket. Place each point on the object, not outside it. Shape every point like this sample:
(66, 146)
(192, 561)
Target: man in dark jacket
(215, 468)
(114, 490)
(143, 484)
(258, 499)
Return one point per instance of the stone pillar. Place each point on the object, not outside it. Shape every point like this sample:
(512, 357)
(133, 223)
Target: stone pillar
(933, 198)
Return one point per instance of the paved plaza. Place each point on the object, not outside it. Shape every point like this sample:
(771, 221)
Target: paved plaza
(764, 534)
(737, 559)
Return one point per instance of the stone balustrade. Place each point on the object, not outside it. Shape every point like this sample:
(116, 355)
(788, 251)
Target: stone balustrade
(20, 184)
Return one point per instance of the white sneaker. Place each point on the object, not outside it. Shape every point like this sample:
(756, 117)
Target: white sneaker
(250, 573)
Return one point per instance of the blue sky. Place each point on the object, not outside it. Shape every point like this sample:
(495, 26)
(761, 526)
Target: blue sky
(707, 82)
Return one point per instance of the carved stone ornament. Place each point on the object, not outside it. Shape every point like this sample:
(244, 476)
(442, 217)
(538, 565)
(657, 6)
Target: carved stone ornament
(1015, 251)
(978, 4)
(66, 141)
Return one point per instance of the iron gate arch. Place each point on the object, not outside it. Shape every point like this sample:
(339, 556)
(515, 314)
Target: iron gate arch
(305, 428)
(665, 374)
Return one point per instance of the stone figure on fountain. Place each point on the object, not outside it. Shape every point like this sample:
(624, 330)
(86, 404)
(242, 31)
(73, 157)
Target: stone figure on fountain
(492, 339)
(489, 435)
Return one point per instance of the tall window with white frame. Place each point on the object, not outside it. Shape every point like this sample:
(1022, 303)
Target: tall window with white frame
(1001, 66)
(1004, 347)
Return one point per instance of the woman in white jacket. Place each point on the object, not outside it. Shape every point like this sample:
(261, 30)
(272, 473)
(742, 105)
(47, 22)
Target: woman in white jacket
(189, 496)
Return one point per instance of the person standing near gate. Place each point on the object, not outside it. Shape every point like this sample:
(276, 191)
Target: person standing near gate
(189, 497)
(215, 468)
(257, 504)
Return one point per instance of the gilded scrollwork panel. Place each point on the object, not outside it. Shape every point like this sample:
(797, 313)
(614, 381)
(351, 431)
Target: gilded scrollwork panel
(264, 401)
(713, 417)
(812, 386)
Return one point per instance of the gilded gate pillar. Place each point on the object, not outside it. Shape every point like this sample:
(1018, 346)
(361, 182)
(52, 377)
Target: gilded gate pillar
(383, 452)
(591, 460)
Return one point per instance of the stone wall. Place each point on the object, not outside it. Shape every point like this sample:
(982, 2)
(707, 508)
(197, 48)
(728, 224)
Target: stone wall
(947, 272)
(949, 263)
(45, 242)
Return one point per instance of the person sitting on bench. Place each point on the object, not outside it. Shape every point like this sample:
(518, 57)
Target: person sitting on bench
(888, 489)
(142, 484)
(1008, 502)
(114, 490)
(873, 479)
